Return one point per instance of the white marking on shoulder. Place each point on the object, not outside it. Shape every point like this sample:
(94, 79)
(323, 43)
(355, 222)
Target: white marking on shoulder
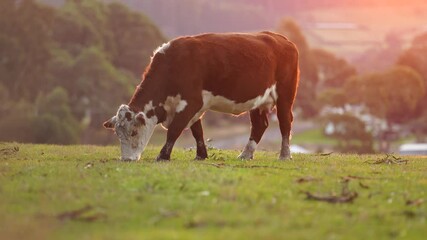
(181, 106)
(162, 49)
(175, 104)
(172, 106)
(149, 106)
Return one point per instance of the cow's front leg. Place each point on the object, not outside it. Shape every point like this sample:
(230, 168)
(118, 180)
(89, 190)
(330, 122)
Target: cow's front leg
(197, 131)
(176, 127)
(259, 121)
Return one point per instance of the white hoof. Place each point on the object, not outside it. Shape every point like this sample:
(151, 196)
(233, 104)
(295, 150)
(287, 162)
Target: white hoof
(246, 156)
(285, 157)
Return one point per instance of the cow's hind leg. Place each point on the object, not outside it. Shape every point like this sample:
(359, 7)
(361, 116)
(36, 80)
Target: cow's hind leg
(287, 82)
(197, 131)
(285, 116)
(176, 127)
(259, 121)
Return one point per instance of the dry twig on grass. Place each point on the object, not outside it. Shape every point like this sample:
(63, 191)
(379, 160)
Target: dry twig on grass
(363, 185)
(9, 151)
(217, 165)
(388, 159)
(221, 165)
(79, 215)
(416, 202)
(325, 154)
(255, 166)
(308, 179)
(349, 177)
(346, 196)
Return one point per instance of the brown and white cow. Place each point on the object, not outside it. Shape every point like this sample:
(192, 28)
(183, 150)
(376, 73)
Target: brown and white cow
(231, 73)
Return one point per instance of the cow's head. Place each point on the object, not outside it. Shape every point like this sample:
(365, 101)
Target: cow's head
(134, 131)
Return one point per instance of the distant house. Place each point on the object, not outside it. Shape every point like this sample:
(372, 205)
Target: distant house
(373, 124)
(413, 149)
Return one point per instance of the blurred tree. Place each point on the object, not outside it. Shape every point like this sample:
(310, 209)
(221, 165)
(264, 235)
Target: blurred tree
(333, 97)
(350, 132)
(332, 71)
(54, 122)
(99, 87)
(127, 38)
(416, 58)
(409, 90)
(102, 50)
(25, 28)
(380, 57)
(419, 128)
(392, 95)
(309, 77)
(16, 122)
(134, 36)
(66, 69)
(4, 95)
(80, 24)
(48, 120)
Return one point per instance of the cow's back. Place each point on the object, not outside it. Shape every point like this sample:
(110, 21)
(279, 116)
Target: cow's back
(226, 64)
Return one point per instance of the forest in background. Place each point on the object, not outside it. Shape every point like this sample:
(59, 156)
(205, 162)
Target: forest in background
(65, 70)
(368, 34)
(66, 67)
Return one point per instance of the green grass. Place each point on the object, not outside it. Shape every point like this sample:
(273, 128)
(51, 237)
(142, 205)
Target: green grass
(313, 136)
(220, 198)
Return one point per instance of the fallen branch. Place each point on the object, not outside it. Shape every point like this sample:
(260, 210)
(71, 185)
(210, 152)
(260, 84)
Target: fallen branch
(9, 151)
(255, 166)
(325, 154)
(355, 177)
(221, 165)
(345, 197)
(415, 202)
(388, 159)
(79, 215)
(333, 199)
(363, 185)
(308, 179)
(217, 165)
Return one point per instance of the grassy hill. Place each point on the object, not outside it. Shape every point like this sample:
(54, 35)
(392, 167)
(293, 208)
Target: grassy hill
(83, 192)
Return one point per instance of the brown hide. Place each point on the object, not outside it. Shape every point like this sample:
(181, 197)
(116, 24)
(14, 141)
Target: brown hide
(236, 66)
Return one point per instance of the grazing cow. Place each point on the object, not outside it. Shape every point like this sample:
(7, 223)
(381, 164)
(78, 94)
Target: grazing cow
(230, 73)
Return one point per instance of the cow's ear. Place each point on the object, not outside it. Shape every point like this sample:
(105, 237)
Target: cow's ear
(109, 124)
(140, 119)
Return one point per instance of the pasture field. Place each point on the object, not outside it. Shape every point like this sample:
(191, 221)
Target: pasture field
(83, 192)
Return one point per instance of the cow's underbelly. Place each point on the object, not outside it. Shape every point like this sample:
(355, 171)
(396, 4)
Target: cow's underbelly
(222, 104)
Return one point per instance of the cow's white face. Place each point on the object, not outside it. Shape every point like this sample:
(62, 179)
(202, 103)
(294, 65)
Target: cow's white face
(134, 131)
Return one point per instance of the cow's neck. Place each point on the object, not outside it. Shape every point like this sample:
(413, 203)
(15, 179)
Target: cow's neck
(148, 102)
